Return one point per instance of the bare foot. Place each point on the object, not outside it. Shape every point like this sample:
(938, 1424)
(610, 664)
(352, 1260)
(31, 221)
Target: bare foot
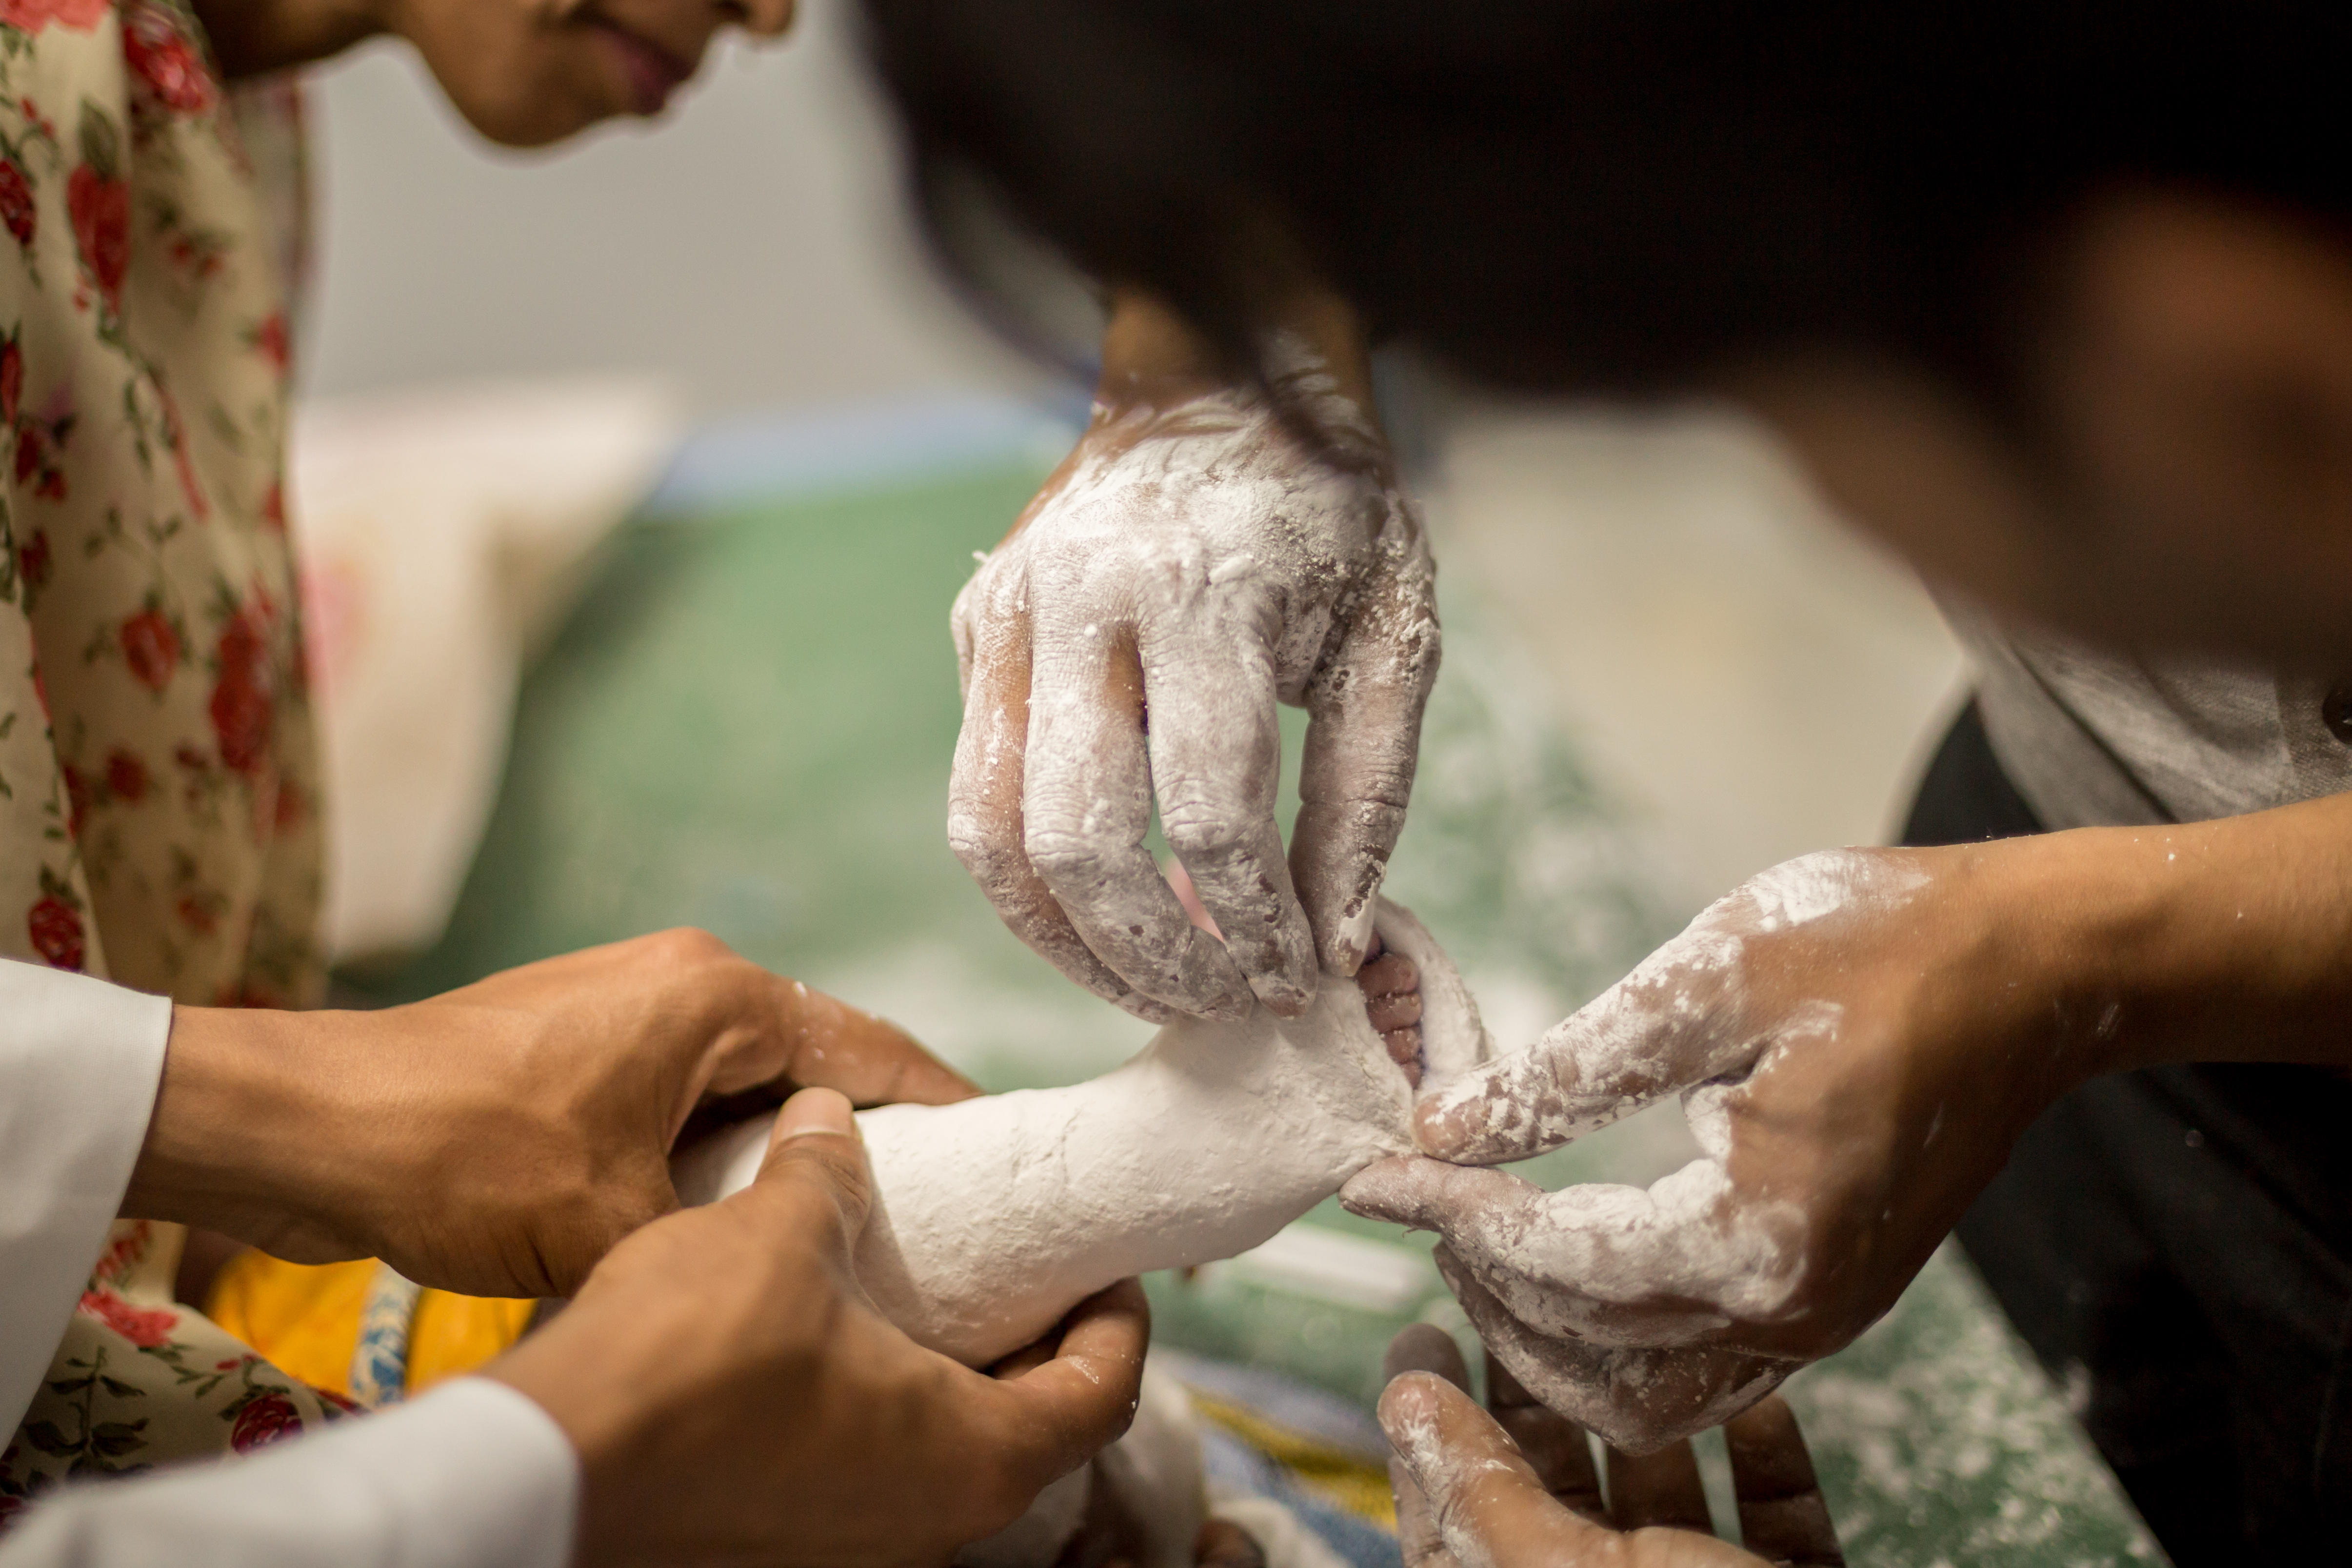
(1392, 983)
(1392, 1000)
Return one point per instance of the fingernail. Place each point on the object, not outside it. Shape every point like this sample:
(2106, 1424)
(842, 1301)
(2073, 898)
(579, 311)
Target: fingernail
(814, 1111)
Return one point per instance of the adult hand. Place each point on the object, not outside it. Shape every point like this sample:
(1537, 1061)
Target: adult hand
(1518, 1488)
(496, 1140)
(1858, 1036)
(735, 1398)
(1197, 560)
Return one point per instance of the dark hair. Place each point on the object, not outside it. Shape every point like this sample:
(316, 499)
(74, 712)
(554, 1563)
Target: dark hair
(1616, 195)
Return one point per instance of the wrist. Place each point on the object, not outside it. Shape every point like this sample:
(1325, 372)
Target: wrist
(1153, 358)
(230, 1143)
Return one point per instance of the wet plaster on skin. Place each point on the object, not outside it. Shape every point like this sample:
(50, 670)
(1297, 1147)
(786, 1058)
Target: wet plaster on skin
(993, 1218)
(1252, 598)
(1604, 1298)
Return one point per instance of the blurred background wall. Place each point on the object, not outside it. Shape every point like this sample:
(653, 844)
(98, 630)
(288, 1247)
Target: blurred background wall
(1751, 682)
(750, 244)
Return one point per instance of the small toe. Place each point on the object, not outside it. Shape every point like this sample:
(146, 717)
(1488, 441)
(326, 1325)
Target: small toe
(1391, 975)
(1395, 1011)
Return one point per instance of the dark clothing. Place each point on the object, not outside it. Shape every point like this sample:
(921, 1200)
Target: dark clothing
(2175, 1245)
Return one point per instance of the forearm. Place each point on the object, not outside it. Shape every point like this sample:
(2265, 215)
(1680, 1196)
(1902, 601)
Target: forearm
(2222, 941)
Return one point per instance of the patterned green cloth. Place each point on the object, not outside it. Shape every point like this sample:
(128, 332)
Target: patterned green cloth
(748, 726)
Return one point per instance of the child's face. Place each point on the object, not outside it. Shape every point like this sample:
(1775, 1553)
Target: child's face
(528, 72)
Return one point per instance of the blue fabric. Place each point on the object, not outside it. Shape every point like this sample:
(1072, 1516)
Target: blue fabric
(1232, 1465)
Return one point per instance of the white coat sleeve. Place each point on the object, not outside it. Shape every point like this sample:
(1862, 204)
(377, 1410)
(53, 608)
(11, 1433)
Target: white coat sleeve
(472, 1475)
(79, 1063)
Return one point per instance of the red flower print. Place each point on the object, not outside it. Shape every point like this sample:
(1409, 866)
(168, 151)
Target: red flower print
(273, 507)
(145, 1327)
(175, 436)
(162, 58)
(291, 806)
(30, 450)
(264, 1421)
(243, 703)
(151, 648)
(126, 777)
(17, 209)
(56, 929)
(196, 502)
(10, 1507)
(32, 15)
(269, 340)
(12, 381)
(101, 224)
(200, 919)
(76, 798)
(34, 560)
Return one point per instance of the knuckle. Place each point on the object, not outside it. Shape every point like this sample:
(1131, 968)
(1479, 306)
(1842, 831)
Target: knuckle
(1210, 835)
(1068, 853)
(686, 947)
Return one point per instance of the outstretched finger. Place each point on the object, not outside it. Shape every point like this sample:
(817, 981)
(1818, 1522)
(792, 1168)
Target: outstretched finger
(1087, 804)
(1363, 743)
(1050, 1420)
(1216, 762)
(1668, 1264)
(832, 1045)
(1422, 1347)
(1782, 1515)
(1659, 1031)
(1556, 1447)
(1499, 1226)
(986, 826)
(1489, 1505)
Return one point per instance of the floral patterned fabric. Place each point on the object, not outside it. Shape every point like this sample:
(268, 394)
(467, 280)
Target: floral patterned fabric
(158, 797)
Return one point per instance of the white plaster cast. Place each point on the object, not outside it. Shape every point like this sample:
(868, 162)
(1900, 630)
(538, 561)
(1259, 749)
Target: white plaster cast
(995, 1217)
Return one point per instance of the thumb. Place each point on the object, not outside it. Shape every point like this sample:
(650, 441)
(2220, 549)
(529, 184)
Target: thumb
(815, 1147)
(1459, 1202)
(1488, 1502)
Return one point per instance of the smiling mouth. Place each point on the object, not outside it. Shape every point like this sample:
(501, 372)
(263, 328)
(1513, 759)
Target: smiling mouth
(651, 72)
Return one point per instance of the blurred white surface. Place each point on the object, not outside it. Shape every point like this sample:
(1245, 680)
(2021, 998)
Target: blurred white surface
(444, 531)
(1745, 673)
(751, 244)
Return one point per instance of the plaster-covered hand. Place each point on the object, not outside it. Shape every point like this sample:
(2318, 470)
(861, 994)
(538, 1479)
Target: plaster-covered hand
(498, 1139)
(735, 1398)
(1518, 1488)
(1196, 561)
(1858, 1036)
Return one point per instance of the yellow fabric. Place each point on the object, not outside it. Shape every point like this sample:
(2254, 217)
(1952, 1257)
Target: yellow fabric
(306, 1320)
(1334, 1474)
(453, 1334)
